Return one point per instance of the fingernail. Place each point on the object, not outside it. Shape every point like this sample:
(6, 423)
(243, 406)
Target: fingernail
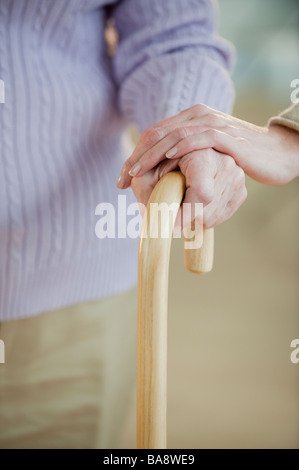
(120, 182)
(135, 169)
(171, 152)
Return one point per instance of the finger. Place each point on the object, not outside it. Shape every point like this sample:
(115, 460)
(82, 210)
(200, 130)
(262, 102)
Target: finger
(211, 117)
(158, 153)
(197, 111)
(145, 158)
(143, 186)
(230, 192)
(167, 166)
(199, 170)
(212, 138)
(148, 138)
(199, 115)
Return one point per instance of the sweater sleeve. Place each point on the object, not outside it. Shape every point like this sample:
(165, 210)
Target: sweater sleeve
(288, 118)
(169, 57)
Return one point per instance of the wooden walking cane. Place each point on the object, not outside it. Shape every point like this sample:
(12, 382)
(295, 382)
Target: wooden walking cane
(153, 267)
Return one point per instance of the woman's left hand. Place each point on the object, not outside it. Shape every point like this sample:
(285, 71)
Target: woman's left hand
(268, 155)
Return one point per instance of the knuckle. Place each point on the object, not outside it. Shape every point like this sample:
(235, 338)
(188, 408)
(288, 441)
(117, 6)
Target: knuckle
(127, 166)
(229, 211)
(229, 129)
(180, 133)
(211, 119)
(152, 135)
(198, 108)
(241, 140)
(235, 203)
(203, 195)
(240, 176)
(243, 195)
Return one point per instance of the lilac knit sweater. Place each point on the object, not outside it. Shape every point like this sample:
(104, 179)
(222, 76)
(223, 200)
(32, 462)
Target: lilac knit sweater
(66, 105)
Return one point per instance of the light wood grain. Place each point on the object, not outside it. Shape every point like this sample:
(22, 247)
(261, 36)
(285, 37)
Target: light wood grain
(153, 267)
(200, 261)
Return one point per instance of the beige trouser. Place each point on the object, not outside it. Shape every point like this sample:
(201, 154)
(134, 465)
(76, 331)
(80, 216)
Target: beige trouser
(68, 375)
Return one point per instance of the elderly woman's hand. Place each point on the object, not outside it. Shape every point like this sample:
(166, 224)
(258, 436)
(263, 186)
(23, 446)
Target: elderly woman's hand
(268, 155)
(212, 179)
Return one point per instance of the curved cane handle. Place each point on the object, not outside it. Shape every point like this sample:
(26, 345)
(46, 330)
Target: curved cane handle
(153, 267)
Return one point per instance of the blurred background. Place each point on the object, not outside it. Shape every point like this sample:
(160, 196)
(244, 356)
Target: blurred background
(231, 383)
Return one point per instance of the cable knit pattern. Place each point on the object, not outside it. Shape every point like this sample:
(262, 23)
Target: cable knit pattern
(170, 58)
(67, 104)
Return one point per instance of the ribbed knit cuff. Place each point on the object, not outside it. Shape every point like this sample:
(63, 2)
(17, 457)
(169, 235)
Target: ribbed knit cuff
(288, 118)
